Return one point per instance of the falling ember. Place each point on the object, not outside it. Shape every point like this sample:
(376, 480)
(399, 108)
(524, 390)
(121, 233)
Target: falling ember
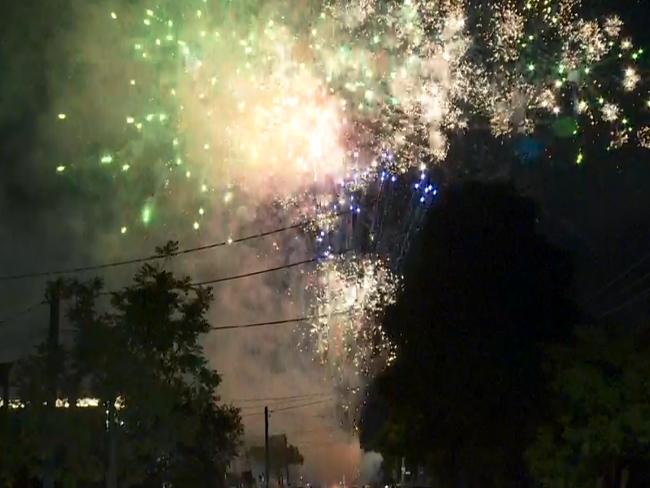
(631, 79)
(349, 295)
(610, 112)
(643, 135)
(146, 214)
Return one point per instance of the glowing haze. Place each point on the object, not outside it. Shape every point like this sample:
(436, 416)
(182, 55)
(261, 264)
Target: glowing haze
(255, 116)
(207, 119)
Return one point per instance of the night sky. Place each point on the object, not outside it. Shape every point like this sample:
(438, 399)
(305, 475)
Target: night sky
(600, 210)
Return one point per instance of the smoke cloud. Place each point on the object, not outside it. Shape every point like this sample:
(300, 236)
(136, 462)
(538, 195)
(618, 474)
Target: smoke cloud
(67, 96)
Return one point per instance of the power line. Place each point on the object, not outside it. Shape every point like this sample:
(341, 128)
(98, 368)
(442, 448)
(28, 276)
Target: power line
(631, 298)
(631, 285)
(230, 327)
(282, 404)
(275, 322)
(263, 324)
(271, 399)
(284, 409)
(252, 414)
(154, 257)
(255, 273)
(617, 278)
(627, 303)
(304, 405)
(266, 270)
(217, 280)
(237, 277)
(234, 326)
(242, 275)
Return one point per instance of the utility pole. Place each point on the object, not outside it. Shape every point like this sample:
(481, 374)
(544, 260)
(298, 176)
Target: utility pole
(266, 447)
(53, 297)
(5, 370)
(286, 460)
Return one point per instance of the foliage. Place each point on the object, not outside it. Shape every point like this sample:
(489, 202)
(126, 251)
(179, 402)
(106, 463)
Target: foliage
(159, 419)
(482, 290)
(600, 432)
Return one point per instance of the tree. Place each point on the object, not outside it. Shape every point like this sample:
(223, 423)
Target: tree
(482, 290)
(38, 438)
(147, 356)
(159, 419)
(600, 432)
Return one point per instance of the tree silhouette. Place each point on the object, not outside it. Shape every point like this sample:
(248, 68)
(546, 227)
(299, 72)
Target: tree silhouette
(482, 291)
(600, 431)
(159, 419)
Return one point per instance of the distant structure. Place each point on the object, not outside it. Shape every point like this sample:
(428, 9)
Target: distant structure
(250, 466)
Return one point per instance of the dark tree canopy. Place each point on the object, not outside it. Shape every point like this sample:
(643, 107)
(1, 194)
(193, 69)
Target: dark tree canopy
(600, 431)
(159, 419)
(483, 290)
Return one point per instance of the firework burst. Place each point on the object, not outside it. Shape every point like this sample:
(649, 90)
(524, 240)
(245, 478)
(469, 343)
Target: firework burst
(302, 108)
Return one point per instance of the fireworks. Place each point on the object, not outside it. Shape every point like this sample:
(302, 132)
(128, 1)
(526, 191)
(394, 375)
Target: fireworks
(547, 62)
(643, 136)
(298, 103)
(350, 295)
(610, 112)
(631, 79)
(307, 107)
